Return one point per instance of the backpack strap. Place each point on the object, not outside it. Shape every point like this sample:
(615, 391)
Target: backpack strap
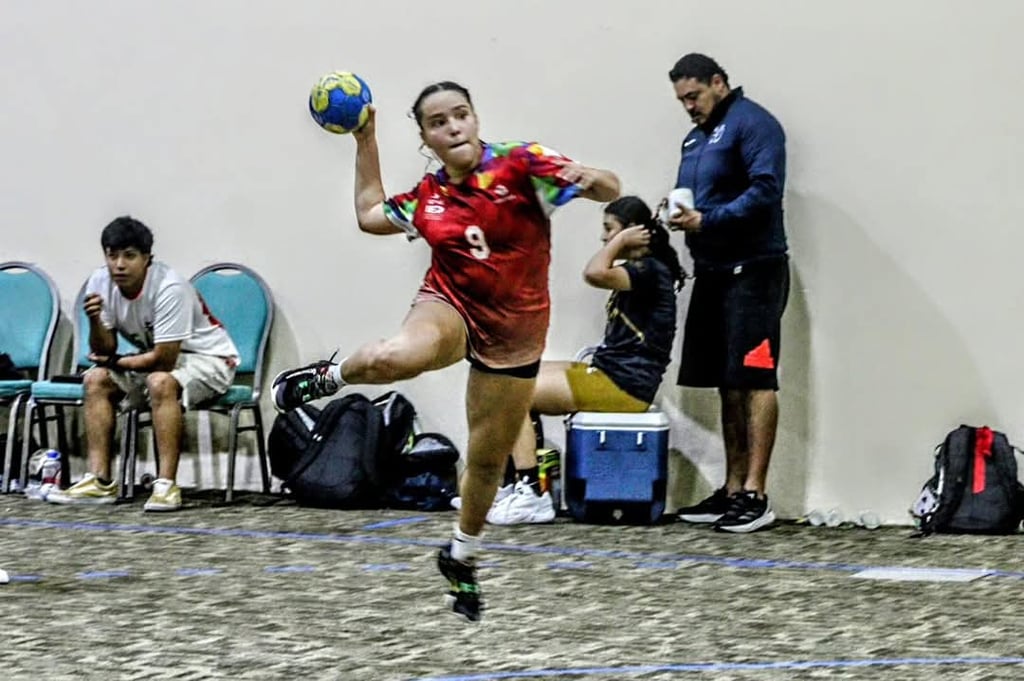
(952, 465)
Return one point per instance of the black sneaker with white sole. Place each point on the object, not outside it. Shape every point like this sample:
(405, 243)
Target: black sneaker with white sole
(707, 511)
(295, 387)
(463, 589)
(747, 513)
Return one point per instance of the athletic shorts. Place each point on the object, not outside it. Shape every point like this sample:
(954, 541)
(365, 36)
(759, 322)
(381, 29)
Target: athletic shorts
(490, 348)
(733, 327)
(201, 377)
(593, 390)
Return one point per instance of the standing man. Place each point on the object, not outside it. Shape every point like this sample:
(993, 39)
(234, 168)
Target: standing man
(734, 161)
(184, 357)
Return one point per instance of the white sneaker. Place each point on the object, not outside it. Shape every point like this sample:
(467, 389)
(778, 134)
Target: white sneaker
(523, 507)
(502, 493)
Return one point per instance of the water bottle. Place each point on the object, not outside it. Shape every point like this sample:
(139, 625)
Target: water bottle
(549, 465)
(869, 520)
(50, 473)
(832, 517)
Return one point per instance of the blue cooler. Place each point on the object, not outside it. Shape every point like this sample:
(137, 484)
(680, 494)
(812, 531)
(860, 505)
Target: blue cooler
(616, 466)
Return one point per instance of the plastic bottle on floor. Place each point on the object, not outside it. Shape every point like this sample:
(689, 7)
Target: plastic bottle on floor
(49, 473)
(869, 520)
(832, 517)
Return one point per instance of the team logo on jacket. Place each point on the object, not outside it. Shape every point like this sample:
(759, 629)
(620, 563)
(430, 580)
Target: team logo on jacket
(716, 134)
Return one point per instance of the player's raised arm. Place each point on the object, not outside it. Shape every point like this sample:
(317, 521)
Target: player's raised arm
(369, 192)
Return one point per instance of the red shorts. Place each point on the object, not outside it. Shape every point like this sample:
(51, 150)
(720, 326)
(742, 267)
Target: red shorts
(499, 342)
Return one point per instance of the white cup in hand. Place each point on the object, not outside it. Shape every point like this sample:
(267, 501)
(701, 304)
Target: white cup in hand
(679, 198)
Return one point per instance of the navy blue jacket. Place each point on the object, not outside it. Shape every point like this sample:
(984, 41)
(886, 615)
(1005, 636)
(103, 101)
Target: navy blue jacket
(735, 163)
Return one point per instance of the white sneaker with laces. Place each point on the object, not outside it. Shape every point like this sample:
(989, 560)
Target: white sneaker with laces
(523, 507)
(502, 493)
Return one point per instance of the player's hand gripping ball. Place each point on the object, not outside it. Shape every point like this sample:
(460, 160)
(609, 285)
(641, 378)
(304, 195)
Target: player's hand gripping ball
(339, 101)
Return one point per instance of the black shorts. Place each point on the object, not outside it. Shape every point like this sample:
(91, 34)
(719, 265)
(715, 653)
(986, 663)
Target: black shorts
(733, 327)
(526, 371)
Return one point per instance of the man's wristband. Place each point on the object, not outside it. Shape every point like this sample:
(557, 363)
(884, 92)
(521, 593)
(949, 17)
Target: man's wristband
(111, 361)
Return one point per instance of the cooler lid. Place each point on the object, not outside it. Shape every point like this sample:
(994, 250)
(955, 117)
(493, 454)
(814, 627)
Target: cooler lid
(625, 421)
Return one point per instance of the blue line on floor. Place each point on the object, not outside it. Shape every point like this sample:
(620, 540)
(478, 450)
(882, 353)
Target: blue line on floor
(103, 574)
(290, 568)
(591, 553)
(732, 666)
(197, 572)
(395, 523)
(567, 565)
(26, 578)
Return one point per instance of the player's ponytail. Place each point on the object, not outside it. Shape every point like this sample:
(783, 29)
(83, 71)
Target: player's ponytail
(661, 249)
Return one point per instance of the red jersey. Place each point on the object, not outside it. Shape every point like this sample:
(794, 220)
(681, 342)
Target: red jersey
(490, 238)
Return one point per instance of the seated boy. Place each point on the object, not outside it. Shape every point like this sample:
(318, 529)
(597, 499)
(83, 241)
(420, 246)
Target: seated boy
(185, 358)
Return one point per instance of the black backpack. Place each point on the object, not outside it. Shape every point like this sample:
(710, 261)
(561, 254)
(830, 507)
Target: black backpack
(330, 458)
(399, 419)
(423, 477)
(975, 487)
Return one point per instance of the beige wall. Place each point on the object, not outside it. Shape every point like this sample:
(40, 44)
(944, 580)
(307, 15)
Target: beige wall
(903, 197)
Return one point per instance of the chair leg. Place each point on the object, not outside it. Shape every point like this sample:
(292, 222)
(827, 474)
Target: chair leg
(229, 493)
(261, 448)
(62, 431)
(129, 438)
(12, 431)
(122, 462)
(76, 447)
(33, 413)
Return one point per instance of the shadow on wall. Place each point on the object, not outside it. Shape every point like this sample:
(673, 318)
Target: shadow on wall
(697, 457)
(891, 374)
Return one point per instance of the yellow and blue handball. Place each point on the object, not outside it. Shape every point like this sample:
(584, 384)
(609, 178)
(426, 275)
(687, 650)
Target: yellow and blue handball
(339, 101)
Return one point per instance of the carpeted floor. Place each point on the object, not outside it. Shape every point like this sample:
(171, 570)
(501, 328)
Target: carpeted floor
(262, 589)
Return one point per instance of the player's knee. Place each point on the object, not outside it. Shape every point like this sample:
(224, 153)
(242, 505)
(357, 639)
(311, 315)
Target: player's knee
(97, 382)
(162, 386)
(393, 360)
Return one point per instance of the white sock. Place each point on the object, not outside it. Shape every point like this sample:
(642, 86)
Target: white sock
(334, 373)
(464, 546)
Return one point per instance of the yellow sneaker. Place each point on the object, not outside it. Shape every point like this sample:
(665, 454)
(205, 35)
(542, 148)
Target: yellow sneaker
(166, 496)
(88, 490)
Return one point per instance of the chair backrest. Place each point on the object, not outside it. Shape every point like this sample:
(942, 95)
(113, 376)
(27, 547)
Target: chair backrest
(80, 350)
(241, 301)
(29, 311)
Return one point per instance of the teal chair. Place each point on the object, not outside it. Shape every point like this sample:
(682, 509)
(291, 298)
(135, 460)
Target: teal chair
(239, 298)
(29, 311)
(50, 398)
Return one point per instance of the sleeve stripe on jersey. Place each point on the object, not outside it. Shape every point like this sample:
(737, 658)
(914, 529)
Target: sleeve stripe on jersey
(401, 216)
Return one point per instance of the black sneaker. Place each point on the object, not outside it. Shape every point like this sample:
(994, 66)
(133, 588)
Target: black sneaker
(707, 511)
(463, 590)
(746, 513)
(295, 387)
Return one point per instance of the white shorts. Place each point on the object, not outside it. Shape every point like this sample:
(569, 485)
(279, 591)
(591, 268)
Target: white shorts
(201, 377)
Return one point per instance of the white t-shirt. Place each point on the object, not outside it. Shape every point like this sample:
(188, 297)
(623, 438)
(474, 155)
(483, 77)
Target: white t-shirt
(167, 309)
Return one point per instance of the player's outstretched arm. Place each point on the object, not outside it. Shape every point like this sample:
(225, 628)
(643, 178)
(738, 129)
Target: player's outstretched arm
(594, 183)
(369, 194)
